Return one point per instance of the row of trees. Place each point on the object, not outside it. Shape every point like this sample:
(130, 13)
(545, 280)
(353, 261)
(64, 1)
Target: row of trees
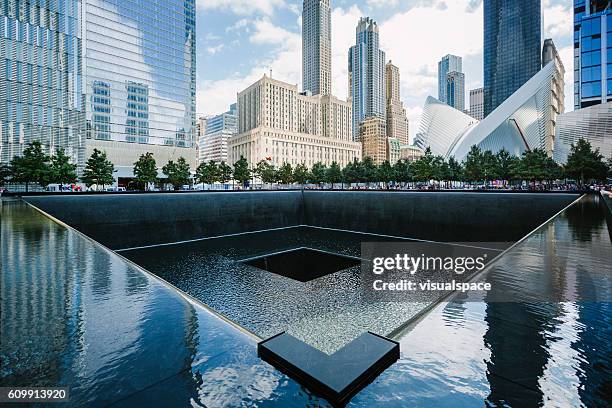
(37, 167)
(584, 164)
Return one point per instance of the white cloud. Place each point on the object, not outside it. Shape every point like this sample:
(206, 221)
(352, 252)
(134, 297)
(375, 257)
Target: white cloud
(344, 22)
(215, 49)
(285, 62)
(268, 33)
(558, 21)
(242, 7)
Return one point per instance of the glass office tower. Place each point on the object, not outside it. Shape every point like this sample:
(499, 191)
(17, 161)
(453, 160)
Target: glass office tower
(41, 92)
(140, 62)
(592, 52)
(512, 47)
(367, 74)
(448, 63)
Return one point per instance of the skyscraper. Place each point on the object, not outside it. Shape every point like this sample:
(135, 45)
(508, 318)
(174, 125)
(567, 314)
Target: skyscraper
(218, 130)
(477, 103)
(316, 46)
(512, 47)
(448, 63)
(592, 52)
(140, 80)
(117, 76)
(557, 92)
(455, 90)
(367, 74)
(41, 92)
(397, 123)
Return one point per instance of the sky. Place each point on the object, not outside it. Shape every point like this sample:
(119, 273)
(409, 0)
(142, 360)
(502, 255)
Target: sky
(240, 40)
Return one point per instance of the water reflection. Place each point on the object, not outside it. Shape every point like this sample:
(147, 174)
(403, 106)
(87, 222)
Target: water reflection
(73, 314)
(527, 351)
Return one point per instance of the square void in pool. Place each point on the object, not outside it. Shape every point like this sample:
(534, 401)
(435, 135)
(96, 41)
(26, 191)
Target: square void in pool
(303, 264)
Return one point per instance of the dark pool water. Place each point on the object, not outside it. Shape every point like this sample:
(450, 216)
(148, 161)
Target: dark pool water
(326, 313)
(73, 314)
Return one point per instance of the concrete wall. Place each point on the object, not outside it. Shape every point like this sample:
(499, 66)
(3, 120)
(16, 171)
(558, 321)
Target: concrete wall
(127, 220)
(439, 216)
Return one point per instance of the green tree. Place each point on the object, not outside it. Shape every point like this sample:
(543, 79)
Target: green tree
(351, 173)
(584, 163)
(225, 172)
(506, 165)
(242, 174)
(178, 174)
(5, 173)
(32, 166)
(533, 166)
(317, 174)
(472, 165)
(98, 170)
(367, 171)
(266, 172)
(208, 173)
(301, 174)
(61, 170)
(490, 166)
(439, 169)
(145, 170)
(610, 167)
(386, 173)
(402, 171)
(424, 166)
(285, 174)
(455, 170)
(333, 174)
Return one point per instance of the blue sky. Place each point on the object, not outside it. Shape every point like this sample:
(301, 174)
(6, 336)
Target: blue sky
(240, 40)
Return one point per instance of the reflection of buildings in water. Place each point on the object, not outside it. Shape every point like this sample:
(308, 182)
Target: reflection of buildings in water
(75, 314)
(551, 350)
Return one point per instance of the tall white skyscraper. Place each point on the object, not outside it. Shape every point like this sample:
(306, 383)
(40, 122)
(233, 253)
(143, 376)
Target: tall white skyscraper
(316, 47)
(367, 74)
(447, 64)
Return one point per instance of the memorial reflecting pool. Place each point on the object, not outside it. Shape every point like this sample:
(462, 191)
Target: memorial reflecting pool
(73, 313)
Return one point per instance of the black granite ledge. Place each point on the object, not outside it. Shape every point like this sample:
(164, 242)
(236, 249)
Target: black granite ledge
(337, 377)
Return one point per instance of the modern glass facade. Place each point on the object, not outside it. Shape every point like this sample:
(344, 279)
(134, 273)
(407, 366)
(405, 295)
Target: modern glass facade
(592, 52)
(512, 47)
(367, 74)
(115, 71)
(448, 63)
(41, 92)
(455, 90)
(140, 62)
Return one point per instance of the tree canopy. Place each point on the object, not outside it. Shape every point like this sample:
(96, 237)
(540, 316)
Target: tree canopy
(178, 174)
(32, 167)
(145, 170)
(242, 174)
(584, 163)
(61, 170)
(98, 170)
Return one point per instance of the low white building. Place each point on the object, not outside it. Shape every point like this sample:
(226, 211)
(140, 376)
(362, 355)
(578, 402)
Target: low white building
(523, 121)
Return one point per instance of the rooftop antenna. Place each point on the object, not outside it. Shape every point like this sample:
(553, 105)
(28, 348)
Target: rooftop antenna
(270, 72)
